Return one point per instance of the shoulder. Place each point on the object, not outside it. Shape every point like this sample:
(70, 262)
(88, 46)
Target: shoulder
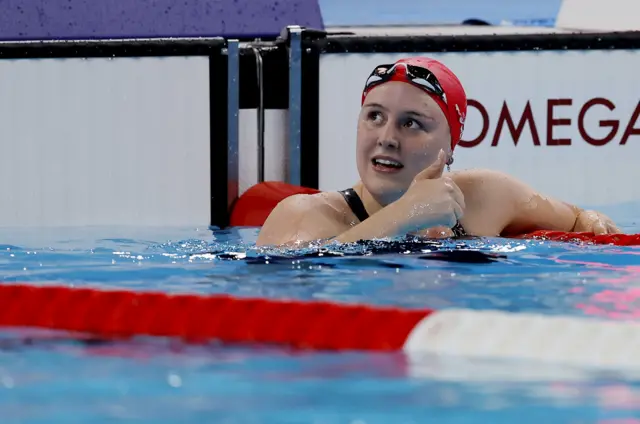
(478, 175)
(490, 197)
(488, 185)
(482, 181)
(303, 217)
(494, 185)
(303, 204)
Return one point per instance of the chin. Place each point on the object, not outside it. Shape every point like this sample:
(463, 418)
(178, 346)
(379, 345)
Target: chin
(385, 192)
(384, 189)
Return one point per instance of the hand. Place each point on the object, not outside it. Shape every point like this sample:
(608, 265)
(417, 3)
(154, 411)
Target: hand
(596, 223)
(435, 232)
(432, 200)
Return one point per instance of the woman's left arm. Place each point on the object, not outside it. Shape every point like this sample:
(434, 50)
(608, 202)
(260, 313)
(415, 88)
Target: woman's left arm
(521, 209)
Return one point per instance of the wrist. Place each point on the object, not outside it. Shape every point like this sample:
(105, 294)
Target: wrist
(403, 214)
(382, 224)
(395, 218)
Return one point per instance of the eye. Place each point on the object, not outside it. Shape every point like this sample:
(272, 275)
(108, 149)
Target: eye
(413, 124)
(374, 116)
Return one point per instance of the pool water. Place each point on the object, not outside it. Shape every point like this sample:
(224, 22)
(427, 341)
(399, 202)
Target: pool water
(55, 380)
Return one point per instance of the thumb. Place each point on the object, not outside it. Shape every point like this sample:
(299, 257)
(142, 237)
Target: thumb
(435, 169)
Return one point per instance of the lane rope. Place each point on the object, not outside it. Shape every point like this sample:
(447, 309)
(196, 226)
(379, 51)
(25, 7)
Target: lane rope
(117, 314)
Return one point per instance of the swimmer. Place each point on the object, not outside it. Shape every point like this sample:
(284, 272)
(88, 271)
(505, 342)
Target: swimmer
(411, 119)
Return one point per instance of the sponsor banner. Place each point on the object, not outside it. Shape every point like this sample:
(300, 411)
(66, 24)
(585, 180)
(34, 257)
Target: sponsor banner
(619, 15)
(565, 122)
(105, 141)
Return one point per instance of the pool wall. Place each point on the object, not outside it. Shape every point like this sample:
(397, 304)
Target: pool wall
(162, 113)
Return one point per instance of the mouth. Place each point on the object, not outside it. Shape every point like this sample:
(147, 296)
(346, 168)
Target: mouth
(386, 164)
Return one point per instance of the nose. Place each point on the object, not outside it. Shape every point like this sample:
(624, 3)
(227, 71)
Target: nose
(388, 137)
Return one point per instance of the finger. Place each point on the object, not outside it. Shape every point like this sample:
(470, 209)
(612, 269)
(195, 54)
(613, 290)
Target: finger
(437, 232)
(599, 228)
(456, 193)
(613, 228)
(434, 170)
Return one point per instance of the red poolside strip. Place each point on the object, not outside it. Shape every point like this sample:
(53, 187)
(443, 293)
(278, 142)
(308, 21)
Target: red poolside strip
(614, 239)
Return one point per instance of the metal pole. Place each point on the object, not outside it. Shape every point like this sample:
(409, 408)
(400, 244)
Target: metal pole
(260, 77)
(233, 116)
(295, 99)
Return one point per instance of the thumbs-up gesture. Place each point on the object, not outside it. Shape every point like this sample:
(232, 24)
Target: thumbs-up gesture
(432, 200)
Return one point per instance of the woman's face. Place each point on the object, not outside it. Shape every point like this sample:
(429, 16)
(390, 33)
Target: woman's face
(401, 129)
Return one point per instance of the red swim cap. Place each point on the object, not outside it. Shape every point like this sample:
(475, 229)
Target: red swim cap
(454, 104)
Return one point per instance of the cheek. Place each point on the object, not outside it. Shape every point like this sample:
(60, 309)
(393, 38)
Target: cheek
(423, 151)
(361, 149)
(364, 141)
(419, 148)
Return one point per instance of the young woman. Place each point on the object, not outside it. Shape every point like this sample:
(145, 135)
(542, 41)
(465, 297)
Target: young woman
(411, 119)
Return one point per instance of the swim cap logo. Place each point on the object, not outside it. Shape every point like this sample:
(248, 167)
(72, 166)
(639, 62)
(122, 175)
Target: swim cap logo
(462, 118)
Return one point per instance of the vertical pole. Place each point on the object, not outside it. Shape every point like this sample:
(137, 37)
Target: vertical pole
(233, 116)
(295, 100)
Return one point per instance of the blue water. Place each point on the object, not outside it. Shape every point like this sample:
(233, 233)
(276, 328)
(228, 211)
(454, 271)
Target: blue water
(162, 381)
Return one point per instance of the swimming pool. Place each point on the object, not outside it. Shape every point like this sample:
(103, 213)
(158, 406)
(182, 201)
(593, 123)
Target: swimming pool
(43, 379)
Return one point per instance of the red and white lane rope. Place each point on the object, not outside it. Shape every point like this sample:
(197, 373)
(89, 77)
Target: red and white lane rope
(322, 325)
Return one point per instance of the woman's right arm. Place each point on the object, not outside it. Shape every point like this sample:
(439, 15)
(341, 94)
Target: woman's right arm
(431, 201)
(298, 218)
(305, 218)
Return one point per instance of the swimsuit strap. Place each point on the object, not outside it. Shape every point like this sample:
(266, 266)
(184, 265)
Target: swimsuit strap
(355, 203)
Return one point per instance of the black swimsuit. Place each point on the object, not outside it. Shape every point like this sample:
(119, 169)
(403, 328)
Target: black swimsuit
(356, 205)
